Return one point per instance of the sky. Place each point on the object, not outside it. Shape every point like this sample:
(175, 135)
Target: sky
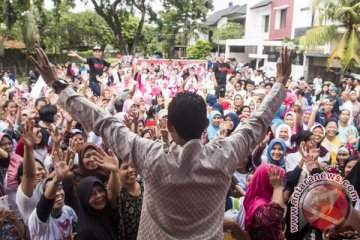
(80, 6)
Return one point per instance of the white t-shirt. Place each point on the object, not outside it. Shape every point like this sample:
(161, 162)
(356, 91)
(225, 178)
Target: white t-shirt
(54, 228)
(25, 204)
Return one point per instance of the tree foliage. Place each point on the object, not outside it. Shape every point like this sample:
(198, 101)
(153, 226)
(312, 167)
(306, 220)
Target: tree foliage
(201, 50)
(228, 31)
(76, 31)
(118, 14)
(182, 20)
(344, 28)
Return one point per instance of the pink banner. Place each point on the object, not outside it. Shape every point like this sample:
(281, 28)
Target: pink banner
(173, 62)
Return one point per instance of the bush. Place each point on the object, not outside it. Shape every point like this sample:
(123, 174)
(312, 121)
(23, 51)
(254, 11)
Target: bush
(201, 50)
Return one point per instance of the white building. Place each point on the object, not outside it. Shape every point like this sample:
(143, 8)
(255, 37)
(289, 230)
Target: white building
(267, 24)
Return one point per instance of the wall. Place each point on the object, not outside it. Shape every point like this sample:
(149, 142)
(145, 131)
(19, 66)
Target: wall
(302, 15)
(244, 57)
(254, 26)
(278, 34)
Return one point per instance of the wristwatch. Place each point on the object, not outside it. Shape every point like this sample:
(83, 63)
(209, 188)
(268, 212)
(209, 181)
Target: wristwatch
(59, 85)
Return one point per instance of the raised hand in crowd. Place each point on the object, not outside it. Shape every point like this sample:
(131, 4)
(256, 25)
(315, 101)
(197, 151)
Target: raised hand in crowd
(56, 136)
(128, 121)
(27, 135)
(48, 71)
(164, 131)
(62, 166)
(283, 65)
(352, 139)
(72, 53)
(29, 179)
(110, 162)
(276, 177)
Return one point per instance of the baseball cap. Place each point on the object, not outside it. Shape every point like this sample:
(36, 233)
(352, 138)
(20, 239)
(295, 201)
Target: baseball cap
(97, 47)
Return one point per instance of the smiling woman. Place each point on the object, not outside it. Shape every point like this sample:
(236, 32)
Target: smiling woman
(95, 220)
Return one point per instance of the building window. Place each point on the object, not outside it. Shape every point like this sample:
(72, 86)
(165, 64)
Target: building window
(283, 18)
(280, 17)
(266, 23)
(237, 49)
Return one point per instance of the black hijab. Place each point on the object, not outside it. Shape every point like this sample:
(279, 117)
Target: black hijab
(93, 224)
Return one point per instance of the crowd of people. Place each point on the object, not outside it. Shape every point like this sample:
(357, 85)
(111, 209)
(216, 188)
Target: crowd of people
(141, 150)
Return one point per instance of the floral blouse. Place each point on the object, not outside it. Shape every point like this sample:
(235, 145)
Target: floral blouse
(129, 214)
(268, 222)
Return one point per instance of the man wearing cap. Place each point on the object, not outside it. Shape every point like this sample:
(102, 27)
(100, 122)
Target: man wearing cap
(96, 65)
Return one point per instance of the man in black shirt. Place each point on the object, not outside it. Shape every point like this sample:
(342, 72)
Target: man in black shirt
(96, 65)
(220, 72)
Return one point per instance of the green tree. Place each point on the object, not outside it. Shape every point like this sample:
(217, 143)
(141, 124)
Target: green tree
(182, 20)
(76, 31)
(228, 31)
(201, 50)
(117, 16)
(344, 28)
(149, 41)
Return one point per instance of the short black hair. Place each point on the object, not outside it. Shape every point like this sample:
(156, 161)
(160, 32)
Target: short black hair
(40, 99)
(269, 84)
(302, 136)
(249, 81)
(300, 92)
(47, 113)
(331, 120)
(20, 170)
(119, 104)
(239, 112)
(187, 113)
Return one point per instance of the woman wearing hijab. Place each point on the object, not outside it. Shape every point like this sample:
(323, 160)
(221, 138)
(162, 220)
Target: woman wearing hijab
(290, 120)
(332, 141)
(233, 120)
(129, 107)
(275, 152)
(284, 132)
(214, 124)
(306, 113)
(277, 119)
(264, 204)
(95, 221)
(9, 166)
(238, 102)
(251, 103)
(88, 166)
(319, 132)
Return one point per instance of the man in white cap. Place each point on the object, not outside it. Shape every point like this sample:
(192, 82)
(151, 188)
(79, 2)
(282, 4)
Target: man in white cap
(96, 65)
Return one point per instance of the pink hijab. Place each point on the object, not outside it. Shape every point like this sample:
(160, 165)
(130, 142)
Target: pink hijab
(127, 104)
(294, 128)
(259, 192)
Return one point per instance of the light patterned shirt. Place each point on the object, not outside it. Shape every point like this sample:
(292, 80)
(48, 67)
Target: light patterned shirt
(185, 186)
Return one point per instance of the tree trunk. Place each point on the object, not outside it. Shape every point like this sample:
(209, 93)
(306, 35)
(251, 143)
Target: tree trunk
(112, 19)
(120, 41)
(142, 8)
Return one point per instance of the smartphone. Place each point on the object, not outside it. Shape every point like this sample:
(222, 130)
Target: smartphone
(4, 202)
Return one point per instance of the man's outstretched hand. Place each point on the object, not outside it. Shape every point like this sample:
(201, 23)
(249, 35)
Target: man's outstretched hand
(283, 65)
(47, 69)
